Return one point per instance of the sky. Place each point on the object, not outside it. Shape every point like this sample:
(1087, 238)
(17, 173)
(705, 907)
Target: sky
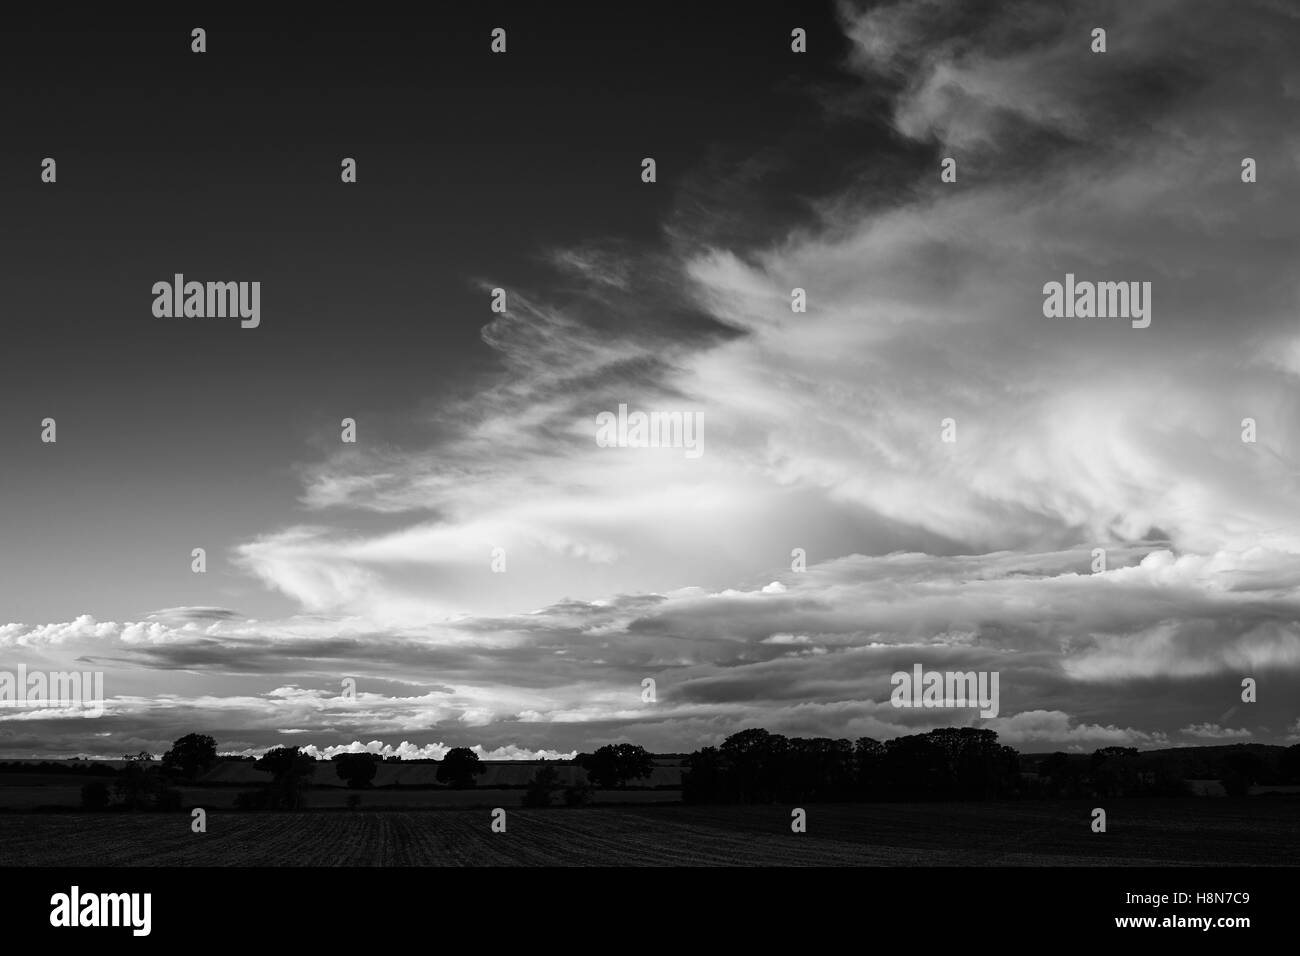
(827, 536)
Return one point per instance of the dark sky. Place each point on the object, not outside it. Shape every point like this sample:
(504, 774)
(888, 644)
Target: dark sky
(175, 434)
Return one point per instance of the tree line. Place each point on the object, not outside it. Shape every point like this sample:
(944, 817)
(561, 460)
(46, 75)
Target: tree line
(959, 763)
(755, 766)
(143, 783)
(751, 766)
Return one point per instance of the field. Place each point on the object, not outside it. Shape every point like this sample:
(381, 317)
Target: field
(28, 797)
(1147, 832)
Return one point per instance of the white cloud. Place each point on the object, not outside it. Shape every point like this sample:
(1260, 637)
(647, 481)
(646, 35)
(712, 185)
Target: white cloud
(1208, 731)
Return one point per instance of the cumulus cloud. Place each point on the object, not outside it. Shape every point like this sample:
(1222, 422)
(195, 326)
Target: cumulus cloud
(1040, 726)
(811, 656)
(436, 751)
(1208, 731)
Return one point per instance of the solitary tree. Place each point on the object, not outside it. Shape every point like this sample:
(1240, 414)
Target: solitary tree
(190, 756)
(460, 767)
(613, 765)
(357, 769)
(290, 773)
(137, 782)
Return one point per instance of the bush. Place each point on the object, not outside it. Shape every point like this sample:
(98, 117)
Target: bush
(94, 796)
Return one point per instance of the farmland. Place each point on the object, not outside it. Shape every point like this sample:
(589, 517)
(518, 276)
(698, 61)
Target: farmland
(1141, 832)
(327, 798)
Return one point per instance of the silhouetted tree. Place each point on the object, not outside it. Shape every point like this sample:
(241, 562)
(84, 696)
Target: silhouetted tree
(291, 773)
(614, 765)
(459, 768)
(706, 777)
(755, 761)
(914, 768)
(190, 756)
(358, 769)
(816, 769)
(972, 765)
(868, 758)
(138, 782)
(1056, 772)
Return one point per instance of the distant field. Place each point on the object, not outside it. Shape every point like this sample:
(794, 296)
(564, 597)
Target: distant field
(27, 796)
(406, 784)
(336, 798)
(1147, 832)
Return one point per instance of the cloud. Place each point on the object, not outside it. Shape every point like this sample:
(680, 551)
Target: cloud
(1041, 726)
(409, 751)
(812, 656)
(1210, 731)
(925, 304)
